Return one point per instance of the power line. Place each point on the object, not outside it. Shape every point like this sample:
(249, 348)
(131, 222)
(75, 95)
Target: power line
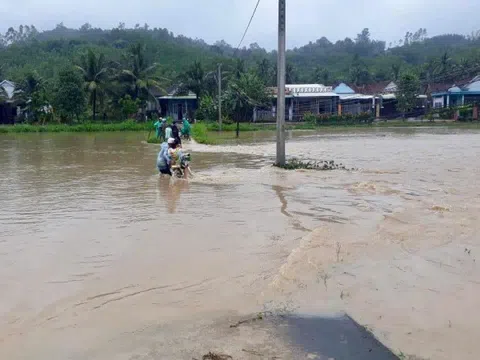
(248, 26)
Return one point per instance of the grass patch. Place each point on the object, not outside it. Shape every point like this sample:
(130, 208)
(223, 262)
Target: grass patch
(84, 127)
(211, 126)
(208, 133)
(450, 124)
(200, 134)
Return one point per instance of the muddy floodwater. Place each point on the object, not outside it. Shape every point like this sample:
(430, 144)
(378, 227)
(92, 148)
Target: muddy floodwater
(100, 258)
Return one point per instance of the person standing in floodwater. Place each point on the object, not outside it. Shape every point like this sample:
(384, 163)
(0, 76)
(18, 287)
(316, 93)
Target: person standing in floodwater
(163, 159)
(159, 131)
(186, 129)
(176, 134)
(168, 132)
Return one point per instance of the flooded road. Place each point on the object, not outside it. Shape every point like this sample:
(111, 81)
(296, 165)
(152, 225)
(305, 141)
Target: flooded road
(102, 259)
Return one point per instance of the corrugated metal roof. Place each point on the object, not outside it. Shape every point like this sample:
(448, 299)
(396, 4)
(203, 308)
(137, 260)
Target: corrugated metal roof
(170, 97)
(355, 97)
(308, 88)
(319, 94)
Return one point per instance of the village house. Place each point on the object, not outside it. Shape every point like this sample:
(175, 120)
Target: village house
(385, 100)
(178, 106)
(463, 93)
(301, 99)
(8, 110)
(352, 103)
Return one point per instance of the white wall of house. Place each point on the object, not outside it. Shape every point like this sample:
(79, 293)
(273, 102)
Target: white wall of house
(438, 102)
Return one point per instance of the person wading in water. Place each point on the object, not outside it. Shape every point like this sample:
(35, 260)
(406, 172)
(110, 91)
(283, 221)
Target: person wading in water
(176, 134)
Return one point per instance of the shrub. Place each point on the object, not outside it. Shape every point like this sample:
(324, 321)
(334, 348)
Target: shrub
(310, 118)
(200, 133)
(207, 109)
(345, 119)
(446, 113)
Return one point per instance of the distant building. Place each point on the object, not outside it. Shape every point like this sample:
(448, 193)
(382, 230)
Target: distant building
(384, 100)
(178, 106)
(351, 102)
(8, 110)
(301, 99)
(463, 93)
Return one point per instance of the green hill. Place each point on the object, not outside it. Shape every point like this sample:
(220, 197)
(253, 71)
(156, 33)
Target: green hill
(359, 60)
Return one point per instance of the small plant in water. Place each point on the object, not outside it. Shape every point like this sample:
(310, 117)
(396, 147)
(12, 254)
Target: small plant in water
(296, 164)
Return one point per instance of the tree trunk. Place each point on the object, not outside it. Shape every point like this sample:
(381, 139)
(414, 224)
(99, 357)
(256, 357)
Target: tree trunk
(238, 128)
(94, 105)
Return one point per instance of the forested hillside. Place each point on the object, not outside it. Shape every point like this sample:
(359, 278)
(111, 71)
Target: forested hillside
(120, 69)
(358, 60)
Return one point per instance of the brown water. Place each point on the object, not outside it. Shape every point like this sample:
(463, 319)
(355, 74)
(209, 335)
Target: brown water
(101, 259)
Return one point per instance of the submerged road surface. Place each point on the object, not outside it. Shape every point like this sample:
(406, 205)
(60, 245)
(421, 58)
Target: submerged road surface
(102, 259)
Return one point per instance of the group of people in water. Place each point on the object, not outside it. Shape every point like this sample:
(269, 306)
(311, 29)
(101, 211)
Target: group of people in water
(165, 131)
(171, 155)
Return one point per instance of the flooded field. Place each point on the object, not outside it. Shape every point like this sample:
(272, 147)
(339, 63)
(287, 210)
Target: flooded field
(102, 259)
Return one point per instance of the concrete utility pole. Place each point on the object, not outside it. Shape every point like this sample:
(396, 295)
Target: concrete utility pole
(281, 83)
(219, 76)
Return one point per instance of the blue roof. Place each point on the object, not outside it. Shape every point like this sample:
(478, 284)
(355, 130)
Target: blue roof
(473, 86)
(343, 88)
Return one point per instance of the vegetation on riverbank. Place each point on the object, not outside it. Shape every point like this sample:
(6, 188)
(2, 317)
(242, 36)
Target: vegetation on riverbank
(208, 133)
(84, 127)
(63, 75)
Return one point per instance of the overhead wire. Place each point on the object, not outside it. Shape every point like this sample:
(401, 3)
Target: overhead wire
(248, 26)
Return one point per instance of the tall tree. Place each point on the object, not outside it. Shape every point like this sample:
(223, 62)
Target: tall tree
(243, 95)
(69, 99)
(238, 69)
(322, 75)
(407, 93)
(396, 71)
(359, 73)
(444, 64)
(94, 70)
(32, 91)
(265, 72)
(195, 79)
(140, 75)
(291, 74)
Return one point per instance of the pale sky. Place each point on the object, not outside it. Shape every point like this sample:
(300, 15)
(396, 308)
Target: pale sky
(214, 20)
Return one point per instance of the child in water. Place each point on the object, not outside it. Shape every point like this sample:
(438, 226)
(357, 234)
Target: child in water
(176, 156)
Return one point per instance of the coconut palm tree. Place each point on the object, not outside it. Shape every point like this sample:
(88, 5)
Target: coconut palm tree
(197, 80)
(265, 71)
(139, 75)
(321, 75)
(31, 92)
(444, 63)
(396, 71)
(94, 70)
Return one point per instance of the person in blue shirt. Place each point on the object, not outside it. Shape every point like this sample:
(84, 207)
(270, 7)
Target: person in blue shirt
(164, 159)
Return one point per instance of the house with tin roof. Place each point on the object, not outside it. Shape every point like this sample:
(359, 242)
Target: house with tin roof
(301, 99)
(462, 93)
(351, 102)
(8, 110)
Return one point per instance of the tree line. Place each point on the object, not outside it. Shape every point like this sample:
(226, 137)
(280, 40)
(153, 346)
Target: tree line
(113, 73)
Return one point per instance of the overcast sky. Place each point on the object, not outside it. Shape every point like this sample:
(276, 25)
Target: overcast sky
(214, 20)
